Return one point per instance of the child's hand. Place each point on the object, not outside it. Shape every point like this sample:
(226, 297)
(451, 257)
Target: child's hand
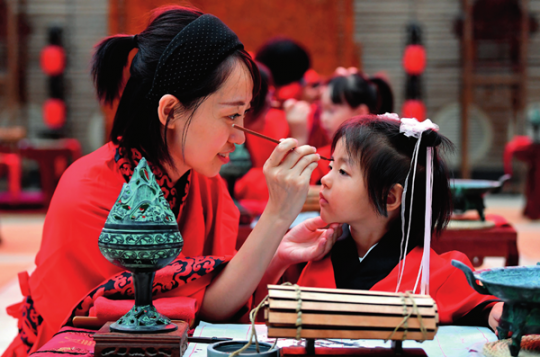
(495, 316)
(308, 241)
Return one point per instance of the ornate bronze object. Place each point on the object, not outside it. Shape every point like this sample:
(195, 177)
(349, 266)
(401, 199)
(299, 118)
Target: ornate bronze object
(519, 288)
(141, 235)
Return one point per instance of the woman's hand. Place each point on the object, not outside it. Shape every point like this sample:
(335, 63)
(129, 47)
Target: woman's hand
(287, 172)
(308, 241)
(495, 316)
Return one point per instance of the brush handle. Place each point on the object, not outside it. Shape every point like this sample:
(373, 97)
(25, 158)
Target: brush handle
(266, 137)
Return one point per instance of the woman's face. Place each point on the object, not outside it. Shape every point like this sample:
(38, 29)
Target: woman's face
(344, 197)
(333, 114)
(210, 137)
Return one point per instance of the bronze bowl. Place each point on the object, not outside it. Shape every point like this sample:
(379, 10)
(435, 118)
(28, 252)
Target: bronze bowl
(469, 194)
(519, 288)
(141, 235)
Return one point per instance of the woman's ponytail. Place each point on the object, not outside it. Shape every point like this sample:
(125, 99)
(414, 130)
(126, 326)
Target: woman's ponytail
(108, 62)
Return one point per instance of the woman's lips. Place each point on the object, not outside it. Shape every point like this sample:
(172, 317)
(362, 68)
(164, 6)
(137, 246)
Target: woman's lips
(224, 157)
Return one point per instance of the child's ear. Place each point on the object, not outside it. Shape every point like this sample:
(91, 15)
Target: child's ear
(166, 108)
(393, 200)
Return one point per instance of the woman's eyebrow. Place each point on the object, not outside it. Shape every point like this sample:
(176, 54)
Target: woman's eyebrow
(234, 104)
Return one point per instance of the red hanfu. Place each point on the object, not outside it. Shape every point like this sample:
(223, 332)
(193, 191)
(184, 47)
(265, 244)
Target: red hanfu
(71, 272)
(448, 285)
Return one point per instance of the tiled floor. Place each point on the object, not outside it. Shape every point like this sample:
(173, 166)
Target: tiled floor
(21, 238)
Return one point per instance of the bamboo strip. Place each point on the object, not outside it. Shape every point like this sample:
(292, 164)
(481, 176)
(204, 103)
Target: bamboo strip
(344, 321)
(274, 332)
(363, 299)
(275, 304)
(340, 291)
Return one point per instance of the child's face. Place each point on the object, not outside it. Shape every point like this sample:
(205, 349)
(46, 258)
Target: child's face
(333, 114)
(344, 197)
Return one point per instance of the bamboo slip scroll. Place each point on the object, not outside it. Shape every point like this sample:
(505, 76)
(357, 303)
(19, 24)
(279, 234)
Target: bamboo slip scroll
(301, 312)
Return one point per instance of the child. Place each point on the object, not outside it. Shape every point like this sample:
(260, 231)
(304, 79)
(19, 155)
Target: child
(373, 184)
(346, 95)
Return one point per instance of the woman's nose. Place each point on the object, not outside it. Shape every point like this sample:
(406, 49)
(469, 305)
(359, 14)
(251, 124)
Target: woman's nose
(237, 136)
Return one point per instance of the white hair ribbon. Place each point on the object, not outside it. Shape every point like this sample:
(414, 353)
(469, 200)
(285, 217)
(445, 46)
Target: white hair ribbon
(414, 128)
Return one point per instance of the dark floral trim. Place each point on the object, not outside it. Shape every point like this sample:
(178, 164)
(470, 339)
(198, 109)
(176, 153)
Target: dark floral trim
(174, 275)
(29, 323)
(174, 192)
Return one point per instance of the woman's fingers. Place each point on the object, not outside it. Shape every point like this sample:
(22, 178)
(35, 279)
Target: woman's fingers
(281, 151)
(300, 157)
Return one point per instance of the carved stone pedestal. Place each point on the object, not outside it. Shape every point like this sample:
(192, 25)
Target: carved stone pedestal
(164, 344)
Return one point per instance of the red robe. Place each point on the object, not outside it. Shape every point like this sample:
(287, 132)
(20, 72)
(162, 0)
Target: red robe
(69, 265)
(448, 285)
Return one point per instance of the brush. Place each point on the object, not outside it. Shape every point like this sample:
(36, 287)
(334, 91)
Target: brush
(266, 137)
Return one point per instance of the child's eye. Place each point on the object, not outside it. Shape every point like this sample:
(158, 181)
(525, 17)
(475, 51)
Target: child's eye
(234, 116)
(342, 172)
(330, 167)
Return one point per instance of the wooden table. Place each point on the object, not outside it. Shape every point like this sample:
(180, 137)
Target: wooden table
(498, 241)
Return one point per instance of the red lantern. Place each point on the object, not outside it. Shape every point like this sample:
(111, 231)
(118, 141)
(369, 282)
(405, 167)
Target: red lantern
(413, 108)
(54, 113)
(53, 60)
(414, 59)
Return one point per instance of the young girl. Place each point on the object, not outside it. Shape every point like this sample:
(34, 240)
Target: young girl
(376, 194)
(346, 95)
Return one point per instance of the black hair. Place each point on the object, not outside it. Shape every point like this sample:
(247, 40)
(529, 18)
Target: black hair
(356, 89)
(136, 124)
(286, 59)
(385, 154)
(259, 104)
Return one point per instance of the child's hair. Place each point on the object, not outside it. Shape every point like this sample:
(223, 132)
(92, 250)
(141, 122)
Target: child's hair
(136, 123)
(356, 89)
(384, 155)
(286, 59)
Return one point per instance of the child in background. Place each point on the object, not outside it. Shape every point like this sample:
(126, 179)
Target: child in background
(346, 95)
(383, 244)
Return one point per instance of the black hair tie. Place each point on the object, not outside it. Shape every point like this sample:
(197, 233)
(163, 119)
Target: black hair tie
(431, 138)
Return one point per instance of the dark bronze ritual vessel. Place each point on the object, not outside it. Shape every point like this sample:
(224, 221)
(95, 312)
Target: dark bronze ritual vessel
(141, 235)
(469, 194)
(519, 288)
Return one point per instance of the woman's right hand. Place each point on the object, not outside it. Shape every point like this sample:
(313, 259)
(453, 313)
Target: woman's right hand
(309, 240)
(287, 172)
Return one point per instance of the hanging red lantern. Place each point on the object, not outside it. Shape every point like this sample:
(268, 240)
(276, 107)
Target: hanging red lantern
(54, 113)
(53, 60)
(414, 108)
(414, 59)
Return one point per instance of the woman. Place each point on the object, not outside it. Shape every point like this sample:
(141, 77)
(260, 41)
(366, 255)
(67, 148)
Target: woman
(189, 82)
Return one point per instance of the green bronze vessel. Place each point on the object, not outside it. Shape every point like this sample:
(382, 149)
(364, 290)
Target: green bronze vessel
(141, 235)
(519, 288)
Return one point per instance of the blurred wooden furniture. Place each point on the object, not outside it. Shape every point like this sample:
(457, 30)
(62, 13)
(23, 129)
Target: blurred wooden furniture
(531, 156)
(499, 240)
(494, 46)
(53, 158)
